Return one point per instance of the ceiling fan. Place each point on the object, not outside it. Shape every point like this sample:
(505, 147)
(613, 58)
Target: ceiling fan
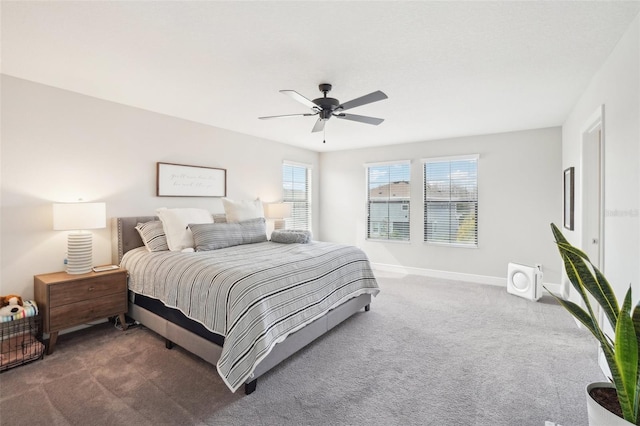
(325, 107)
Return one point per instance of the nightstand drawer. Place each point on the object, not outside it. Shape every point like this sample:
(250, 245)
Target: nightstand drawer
(81, 312)
(69, 300)
(96, 287)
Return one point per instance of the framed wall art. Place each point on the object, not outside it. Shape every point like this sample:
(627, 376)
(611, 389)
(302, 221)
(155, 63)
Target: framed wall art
(179, 180)
(569, 196)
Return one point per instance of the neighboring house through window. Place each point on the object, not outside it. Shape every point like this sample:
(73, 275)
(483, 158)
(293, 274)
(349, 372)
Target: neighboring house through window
(296, 190)
(388, 200)
(451, 200)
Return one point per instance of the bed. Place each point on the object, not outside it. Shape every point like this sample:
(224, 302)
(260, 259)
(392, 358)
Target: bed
(244, 308)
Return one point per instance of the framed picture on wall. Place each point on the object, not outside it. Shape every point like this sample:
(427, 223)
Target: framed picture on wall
(179, 180)
(568, 198)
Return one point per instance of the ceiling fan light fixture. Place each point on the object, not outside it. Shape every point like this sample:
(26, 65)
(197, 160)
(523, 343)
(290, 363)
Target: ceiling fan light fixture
(325, 114)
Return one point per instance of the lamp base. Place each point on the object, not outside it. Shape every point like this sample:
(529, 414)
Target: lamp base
(79, 256)
(279, 224)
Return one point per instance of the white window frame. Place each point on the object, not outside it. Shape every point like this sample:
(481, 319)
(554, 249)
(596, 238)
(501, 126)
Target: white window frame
(369, 225)
(296, 221)
(450, 159)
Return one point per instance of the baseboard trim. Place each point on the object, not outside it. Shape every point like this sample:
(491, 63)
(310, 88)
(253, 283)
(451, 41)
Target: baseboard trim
(458, 276)
(556, 289)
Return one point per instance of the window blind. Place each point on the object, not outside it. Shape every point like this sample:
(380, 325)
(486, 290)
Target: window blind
(388, 201)
(451, 200)
(296, 190)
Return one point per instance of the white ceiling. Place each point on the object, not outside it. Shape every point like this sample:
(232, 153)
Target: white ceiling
(449, 68)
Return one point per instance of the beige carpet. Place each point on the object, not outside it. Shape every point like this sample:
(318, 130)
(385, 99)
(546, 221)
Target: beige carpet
(430, 352)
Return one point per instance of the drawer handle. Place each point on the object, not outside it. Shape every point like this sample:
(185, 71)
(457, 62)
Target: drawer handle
(90, 288)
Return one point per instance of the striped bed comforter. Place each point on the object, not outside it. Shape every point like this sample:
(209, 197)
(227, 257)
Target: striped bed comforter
(255, 294)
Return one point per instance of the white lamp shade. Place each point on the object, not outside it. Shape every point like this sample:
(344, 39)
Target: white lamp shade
(78, 216)
(278, 210)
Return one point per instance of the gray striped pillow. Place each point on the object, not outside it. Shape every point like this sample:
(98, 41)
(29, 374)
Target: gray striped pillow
(153, 236)
(213, 236)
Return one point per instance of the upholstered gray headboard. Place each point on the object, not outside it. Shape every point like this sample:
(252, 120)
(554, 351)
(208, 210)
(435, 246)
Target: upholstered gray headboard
(125, 236)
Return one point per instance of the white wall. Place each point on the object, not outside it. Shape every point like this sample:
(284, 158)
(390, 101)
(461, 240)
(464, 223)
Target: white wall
(58, 146)
(616, 86)
(520, 194)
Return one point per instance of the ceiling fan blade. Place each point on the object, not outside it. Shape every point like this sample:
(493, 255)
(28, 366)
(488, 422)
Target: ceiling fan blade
(363, 100)
(286, 116)
(298, 97)
(360, 118)
(319, 126)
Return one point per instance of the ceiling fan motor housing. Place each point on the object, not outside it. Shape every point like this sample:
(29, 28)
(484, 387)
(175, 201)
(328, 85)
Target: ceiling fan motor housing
(327, 105)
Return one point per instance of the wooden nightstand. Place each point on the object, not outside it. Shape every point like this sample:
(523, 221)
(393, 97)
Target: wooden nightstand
(69, 300)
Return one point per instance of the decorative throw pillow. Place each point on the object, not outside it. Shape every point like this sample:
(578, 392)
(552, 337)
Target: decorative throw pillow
(238, 211)
(290, 236)
(153, 236)
(213, 236)
(254, 230)
(219, 218)
(175, 223)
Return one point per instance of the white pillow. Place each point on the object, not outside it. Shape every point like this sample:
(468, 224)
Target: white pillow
(175, 221)
(239, 211)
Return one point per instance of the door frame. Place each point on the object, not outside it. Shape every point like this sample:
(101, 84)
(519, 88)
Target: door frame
(595, 121)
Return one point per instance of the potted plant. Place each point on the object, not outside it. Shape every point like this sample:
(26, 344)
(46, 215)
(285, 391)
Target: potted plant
(621, 352)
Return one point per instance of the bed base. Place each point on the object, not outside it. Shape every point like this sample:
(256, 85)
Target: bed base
(125, 237)
(210, 351)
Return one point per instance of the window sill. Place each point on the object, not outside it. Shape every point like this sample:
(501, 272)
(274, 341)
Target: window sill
(376, 240)
(464, 246)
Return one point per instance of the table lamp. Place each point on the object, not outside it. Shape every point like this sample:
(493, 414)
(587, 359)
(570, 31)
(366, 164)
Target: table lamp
(78, 217)
(278, 212)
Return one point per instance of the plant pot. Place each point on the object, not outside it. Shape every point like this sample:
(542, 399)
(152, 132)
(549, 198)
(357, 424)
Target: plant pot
(598, 415)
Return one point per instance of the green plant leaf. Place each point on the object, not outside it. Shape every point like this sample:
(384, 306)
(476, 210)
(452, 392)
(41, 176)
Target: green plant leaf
(609, 302)
(623, 398)
(586, 320)
(574, 274)
(636, 325)
(579, 271)
(599, 289)
(626, 358)
(621, 353)
(581, 315)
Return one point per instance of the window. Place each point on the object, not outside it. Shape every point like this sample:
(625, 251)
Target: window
(388, 194)
(451, 200)
(296, 190)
